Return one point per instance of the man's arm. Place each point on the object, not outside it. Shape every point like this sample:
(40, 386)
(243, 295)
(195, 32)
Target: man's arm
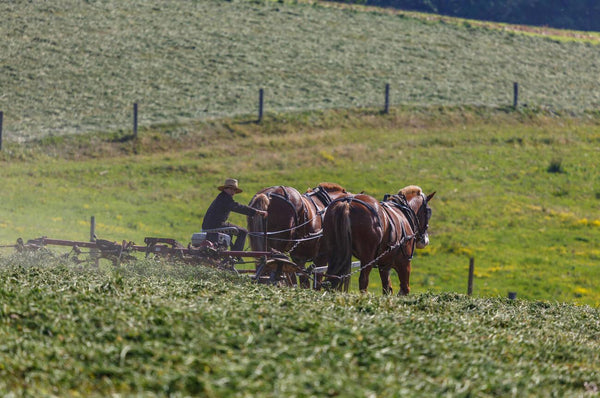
(247, 210)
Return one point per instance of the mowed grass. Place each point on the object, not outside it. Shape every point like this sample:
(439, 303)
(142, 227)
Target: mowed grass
(74, 67)
(155, 329)
(516, 191)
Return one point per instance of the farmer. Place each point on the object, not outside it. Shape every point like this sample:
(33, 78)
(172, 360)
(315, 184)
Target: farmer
(218, 212)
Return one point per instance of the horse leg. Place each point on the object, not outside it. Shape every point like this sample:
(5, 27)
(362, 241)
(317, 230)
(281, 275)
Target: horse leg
(386, 280)
(363, 279)
(403, 270)
(320, 260)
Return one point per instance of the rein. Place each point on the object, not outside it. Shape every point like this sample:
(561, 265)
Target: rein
(286, 230)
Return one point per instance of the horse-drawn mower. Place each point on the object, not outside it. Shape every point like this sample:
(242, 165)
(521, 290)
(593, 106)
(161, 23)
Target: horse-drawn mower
(270, 266)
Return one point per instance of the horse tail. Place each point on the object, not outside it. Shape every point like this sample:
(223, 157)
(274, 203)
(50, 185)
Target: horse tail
(257, 225)
(337, 233)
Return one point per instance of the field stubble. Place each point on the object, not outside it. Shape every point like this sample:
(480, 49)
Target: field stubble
(165, 329)
(181, 62)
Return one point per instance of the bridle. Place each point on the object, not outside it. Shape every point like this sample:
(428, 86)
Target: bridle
(422, 229)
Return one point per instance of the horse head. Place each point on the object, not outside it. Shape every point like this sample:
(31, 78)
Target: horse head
(419, 203)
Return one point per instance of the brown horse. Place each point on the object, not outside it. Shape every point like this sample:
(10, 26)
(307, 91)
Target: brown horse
(377, 233)
(294, 222)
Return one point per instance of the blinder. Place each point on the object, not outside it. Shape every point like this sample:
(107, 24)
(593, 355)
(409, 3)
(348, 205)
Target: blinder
(424, 207)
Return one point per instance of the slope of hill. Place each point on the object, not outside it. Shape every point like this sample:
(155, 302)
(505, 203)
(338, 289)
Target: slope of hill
(73, 67)
(518, 191)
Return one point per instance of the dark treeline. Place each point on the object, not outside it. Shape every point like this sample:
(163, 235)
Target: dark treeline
(563, 14)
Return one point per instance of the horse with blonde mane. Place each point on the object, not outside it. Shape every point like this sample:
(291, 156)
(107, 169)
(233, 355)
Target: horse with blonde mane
(294, 222)
(377, 233)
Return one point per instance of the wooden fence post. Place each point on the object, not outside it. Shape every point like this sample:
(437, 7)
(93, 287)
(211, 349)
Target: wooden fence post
(1, 120)
(93, 229)
(471, 271)
(261, 97)
(387, 99)
(515, 95)
(94, 252)
(135, 119)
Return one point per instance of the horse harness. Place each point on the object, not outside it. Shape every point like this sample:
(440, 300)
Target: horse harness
(399, 202)
(351, 199)
(323, 196)
(394, 202)
(286, 198)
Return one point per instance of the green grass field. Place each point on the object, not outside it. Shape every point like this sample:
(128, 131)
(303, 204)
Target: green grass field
(154, 329)
(517, 190)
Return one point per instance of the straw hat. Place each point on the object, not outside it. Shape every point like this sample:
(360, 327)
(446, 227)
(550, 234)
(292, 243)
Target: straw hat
(230, 183)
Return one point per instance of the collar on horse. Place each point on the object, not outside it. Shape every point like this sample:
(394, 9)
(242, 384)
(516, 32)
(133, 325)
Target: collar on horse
(321, 194)
(286, 198)
(399, 201)
(393, 234)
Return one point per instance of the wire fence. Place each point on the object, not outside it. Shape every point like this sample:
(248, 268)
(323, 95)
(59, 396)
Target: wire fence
(152, 117)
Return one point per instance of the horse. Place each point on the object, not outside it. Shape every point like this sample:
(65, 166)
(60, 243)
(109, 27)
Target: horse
(377, 233)
(294, 222)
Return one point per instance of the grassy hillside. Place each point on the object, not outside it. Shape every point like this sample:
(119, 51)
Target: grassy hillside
(165, 330)
(73, 67)
(517, 191)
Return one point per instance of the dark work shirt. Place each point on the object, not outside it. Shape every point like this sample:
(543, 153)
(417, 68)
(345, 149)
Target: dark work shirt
(219, 210)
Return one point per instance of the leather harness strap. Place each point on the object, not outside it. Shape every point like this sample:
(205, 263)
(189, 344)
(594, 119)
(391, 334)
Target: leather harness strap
(351, 199)
(400, 203)
(393, 235)
(323, 196)
(286, 198)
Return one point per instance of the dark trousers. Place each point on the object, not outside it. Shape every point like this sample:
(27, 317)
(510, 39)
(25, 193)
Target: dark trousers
(240, 240)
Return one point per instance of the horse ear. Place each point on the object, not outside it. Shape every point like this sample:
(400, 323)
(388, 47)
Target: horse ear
(430, 196)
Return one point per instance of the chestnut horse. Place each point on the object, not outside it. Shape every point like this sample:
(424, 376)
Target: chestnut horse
(294, 222)
(377, 233)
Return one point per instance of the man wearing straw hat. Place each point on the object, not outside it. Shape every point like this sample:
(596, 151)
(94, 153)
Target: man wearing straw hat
(218, 212)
